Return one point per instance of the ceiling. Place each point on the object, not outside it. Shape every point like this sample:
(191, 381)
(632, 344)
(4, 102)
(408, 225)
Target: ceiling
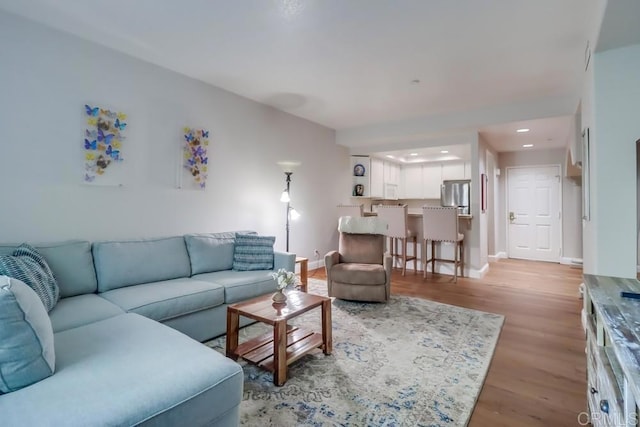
(354, 63)
(460, 152)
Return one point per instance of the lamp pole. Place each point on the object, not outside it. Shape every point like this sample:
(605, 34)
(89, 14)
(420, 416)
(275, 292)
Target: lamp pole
(288, 206)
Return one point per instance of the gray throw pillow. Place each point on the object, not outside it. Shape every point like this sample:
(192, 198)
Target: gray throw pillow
(26, 264)
(253, 252)
(27, 354)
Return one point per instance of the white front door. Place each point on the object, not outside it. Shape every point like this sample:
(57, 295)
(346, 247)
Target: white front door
(533, 213)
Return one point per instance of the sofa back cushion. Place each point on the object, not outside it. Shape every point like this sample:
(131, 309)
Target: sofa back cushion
(132, 262)
(71, 263)
(210, 252)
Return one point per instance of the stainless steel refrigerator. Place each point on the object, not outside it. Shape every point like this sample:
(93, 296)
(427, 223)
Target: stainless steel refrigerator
(457, 193)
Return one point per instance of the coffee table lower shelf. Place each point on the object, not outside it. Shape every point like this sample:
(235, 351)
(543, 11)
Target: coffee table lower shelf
(259, 350)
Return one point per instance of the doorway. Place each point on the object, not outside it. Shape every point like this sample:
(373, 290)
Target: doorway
(534, 230)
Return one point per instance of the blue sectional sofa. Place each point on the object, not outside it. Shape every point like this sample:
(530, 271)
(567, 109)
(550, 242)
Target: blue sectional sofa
(127, 331)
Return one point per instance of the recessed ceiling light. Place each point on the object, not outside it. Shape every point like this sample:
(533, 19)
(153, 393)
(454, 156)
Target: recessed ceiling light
(415, 82)
(527, 145)
(413, 154)
(523, 130)
(444, 151)
(390, 156)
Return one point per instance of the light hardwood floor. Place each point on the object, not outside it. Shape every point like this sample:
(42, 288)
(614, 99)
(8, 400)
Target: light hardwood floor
(538, 372)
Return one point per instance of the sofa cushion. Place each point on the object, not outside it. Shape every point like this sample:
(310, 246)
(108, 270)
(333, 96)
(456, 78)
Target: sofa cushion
(125, 263)
(241, 285)
(168, 299)
(208, 253)
(81, 310)
(26, 339)
(253, 252)
(123, 371)
(71, 263)
(359, 274)
(27, 265)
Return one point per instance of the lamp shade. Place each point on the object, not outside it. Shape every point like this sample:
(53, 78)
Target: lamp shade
(284, 198)
(288, 166)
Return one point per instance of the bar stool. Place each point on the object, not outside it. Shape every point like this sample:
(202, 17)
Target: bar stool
(440, 224)
(398, 231)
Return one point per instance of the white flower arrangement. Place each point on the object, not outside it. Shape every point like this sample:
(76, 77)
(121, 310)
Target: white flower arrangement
(284, 278)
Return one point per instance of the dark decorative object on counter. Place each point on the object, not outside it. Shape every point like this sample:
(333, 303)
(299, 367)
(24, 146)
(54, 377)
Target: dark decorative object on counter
(358, 190)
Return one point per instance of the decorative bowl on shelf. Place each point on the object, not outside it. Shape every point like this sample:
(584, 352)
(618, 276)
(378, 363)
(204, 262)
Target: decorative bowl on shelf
(358, 170)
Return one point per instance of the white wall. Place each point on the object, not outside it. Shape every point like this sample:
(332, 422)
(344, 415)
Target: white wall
(47, 76)
(611, 235)
(571, 198)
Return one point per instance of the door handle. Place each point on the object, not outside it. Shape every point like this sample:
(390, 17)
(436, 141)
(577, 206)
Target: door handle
(512, 216)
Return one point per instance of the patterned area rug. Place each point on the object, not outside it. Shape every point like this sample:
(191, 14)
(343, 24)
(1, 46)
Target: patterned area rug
(411, 362)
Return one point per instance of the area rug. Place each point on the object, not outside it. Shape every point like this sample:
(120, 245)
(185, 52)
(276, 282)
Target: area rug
(410, 362)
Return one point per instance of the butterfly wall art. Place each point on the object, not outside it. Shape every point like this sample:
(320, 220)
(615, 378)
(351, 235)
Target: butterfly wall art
(103, 139)
(195, 160)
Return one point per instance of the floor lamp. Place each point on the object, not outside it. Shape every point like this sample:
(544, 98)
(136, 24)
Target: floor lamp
(291, 213)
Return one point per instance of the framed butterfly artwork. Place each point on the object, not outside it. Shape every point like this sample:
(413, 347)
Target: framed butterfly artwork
(104, 137)
(194, 169)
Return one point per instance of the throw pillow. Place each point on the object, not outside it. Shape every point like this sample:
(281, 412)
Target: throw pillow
(26, 337)
(27, 265)
(253, 252)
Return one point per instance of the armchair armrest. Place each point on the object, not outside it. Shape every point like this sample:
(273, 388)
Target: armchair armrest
(387, 262)
(284, 260)
(330, 259)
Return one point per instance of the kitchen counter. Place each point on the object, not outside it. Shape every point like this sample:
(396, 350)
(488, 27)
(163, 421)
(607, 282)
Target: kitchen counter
(417, 213)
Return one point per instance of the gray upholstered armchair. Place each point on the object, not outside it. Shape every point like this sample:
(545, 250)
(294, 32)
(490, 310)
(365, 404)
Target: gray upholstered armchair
(360, 269)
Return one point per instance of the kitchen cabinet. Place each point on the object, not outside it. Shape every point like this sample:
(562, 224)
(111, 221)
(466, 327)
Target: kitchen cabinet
(467, 170)
(377, 178)
(431, 180)
(391, 173)
(411, 185)
(456, 170)
(452, 171)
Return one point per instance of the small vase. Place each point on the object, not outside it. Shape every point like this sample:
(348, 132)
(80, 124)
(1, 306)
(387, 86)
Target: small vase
(279, 297)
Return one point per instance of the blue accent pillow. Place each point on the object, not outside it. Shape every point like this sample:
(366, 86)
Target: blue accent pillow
(253, 252)
(28, 266)
(27, 353)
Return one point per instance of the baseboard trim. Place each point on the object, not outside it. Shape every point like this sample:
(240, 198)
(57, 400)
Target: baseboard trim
(498, 256)
(316, 264)
(571, 261)
(441, 268)
(447, 270)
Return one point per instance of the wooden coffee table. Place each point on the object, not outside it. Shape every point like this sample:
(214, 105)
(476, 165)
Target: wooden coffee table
(274, 351)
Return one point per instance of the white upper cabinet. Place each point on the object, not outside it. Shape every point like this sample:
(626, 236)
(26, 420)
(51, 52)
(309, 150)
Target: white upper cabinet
(453, 171)
(377, 178)
(467, 170)
(411, 186)
(391, 173)
(431, 180)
